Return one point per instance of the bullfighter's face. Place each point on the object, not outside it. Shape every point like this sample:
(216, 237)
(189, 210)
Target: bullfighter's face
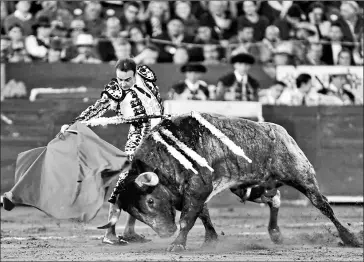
(126, 79)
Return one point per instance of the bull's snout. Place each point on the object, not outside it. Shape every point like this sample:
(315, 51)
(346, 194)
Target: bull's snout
(166, 233)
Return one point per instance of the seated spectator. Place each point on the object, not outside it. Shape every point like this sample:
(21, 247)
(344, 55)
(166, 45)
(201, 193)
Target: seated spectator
(18, 52)
(211, 54)
(85, 44)
(287, 25)
(158, 16)
(316, 17)
(192, 88)
(54, 11)
(302, 94)
(148, 56)
(245, 41)
(331, 51)
(92, 17)
(59, 29)
(238, 85)
(181, 56)
(307, 94)
(22, 17)
(182, 9)
(345, 58)
(271, 37)
(117, 6)
(271, 95)
(77, 27)
(109, 39)
(220, 19)
(130, 17)
(352, 23)
(245, 35)
(314, 55)
(137, 40)
(306, 32)
(55, 51)
(37, 45)
(122, 49)
(335, 93)
(5, 48)
(176, 35)
(358, 53)
(203, 36)
(283, 54)
(274, 10)
(251, 18)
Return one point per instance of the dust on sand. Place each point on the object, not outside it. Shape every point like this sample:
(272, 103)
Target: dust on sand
(28, 234)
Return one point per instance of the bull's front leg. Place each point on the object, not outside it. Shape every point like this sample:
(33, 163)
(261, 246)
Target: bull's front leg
(190, 211)
(129, 232)
(210, 233)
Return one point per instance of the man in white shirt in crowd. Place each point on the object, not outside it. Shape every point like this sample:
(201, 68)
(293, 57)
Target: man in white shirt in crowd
(337, 93)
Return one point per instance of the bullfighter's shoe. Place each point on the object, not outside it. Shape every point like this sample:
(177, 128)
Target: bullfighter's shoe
(7, 203)
(115, 242)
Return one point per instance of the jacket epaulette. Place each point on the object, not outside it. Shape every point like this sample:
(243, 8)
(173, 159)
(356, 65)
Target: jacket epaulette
(146, 73)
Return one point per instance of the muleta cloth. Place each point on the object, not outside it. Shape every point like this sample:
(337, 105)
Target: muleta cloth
(68, 178)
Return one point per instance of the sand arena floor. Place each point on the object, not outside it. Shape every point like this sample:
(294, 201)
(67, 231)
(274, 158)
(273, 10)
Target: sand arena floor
(28, 234)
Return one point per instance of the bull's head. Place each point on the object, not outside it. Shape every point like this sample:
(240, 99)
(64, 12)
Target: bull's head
(148, 200)
(152, 204)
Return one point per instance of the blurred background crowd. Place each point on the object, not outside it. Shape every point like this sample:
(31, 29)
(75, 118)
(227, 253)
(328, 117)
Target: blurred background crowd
(274, 33)
(279, 32)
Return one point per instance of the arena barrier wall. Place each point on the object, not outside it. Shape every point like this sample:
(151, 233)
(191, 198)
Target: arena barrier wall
(331, 137)
(58, 75)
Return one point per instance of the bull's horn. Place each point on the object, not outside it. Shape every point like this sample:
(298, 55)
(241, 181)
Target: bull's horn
(147, 178)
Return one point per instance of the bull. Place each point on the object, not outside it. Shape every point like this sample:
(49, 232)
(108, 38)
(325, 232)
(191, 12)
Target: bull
(165, 176)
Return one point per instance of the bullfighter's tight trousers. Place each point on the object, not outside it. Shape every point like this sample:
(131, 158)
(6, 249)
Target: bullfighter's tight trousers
(136, 133)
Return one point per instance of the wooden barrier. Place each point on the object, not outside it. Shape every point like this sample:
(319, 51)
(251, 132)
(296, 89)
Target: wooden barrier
(59, 75)
(331, 138)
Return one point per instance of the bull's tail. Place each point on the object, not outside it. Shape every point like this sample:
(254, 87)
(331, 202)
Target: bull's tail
(114, 217)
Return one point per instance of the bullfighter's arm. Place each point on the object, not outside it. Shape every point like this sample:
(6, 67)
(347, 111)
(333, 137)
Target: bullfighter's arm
(100, 107)
(110, 93)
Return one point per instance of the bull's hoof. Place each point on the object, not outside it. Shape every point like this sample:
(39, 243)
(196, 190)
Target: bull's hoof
(176, 248)
(135, 238)
(114, 242)
(276, 236)
(350, 239)
(209, 243)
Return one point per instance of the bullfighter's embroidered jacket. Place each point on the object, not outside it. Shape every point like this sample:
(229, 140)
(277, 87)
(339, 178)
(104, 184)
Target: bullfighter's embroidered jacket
(141, 100)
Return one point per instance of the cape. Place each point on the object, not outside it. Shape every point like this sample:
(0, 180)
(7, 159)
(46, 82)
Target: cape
(69, 178)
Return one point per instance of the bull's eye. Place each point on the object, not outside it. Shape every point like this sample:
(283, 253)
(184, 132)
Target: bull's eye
(150, 201)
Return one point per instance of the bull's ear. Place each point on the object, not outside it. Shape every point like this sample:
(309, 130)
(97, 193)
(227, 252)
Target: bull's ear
(147, 179)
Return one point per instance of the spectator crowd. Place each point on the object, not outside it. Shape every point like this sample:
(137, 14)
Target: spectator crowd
(274, 33)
